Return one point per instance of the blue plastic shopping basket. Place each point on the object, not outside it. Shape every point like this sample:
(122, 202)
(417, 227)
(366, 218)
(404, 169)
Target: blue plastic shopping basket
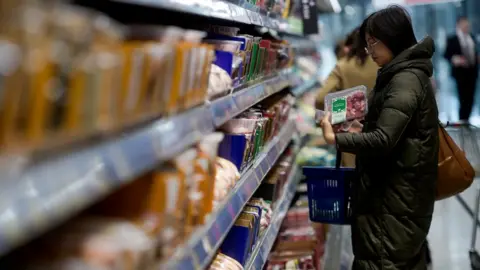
(329, 193)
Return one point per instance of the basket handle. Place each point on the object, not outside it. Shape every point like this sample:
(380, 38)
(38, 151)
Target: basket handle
(338, 161)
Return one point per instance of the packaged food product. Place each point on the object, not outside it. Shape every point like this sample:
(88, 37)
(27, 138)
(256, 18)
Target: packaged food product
(226, 176)
(205, 176)
(186, 166)
(219, 81)
(224, 30)
(225, 45)
(100, 243)
(237, 244)
(223, 262)
(347, 105)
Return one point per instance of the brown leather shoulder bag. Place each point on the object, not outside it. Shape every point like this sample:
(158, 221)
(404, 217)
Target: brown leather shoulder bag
(455, 173)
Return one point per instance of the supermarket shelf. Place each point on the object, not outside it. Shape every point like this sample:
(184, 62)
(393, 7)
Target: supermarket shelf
(230, 106)
(216, 9)
(201, 248)
(259, 256)
(41, 194)
(304, 87)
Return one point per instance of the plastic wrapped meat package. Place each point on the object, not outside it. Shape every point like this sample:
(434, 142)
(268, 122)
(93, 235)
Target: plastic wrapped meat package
(347, 109)
(225, 179)
(223, 262)
(219, 81)
(97, 243)
(266, 215)
(347, 105)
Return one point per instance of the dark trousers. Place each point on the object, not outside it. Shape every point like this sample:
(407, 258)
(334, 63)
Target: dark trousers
(466, 84)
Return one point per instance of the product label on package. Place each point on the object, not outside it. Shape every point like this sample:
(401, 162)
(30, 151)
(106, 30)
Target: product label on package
(339, 110)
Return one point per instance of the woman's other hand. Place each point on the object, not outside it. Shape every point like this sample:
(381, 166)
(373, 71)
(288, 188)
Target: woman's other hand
(356, 127)
(327, 129)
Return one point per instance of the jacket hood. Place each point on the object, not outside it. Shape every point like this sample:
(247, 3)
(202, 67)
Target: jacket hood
(416, 57)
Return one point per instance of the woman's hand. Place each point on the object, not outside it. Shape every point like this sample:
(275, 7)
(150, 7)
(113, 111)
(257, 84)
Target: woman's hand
(356, 127)
(328, 133)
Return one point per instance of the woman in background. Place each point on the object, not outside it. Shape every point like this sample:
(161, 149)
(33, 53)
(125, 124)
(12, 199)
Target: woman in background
(340, 49)
(356, 68)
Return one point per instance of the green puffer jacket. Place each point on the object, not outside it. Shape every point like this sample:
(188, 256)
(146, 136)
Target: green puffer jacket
(397, 159)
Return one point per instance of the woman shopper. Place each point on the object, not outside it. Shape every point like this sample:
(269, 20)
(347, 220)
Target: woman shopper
(397, 150)
(356, 68)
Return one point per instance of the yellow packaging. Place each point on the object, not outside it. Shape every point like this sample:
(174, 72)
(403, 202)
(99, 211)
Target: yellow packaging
(194, 94)
(134, 80)
(171, 189)
(13, 83)
(108, 62)
(207, 64)
(74, 119)
(109, 88)
(38, 100)
(207, 150)
(185, 165)
(203, 173)
(176, 95)
(160, 76)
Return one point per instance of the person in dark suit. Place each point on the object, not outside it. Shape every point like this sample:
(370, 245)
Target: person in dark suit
(462, 54)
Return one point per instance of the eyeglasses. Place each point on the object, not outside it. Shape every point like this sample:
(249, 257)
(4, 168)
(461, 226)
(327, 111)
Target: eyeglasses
(370, 47)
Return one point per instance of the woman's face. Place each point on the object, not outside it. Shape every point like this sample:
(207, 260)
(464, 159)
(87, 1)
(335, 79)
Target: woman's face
(379, 52)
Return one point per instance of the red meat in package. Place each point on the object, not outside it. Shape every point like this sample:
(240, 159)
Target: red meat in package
(345, 107)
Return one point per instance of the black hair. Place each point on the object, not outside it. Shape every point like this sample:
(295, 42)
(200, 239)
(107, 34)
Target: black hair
(350, 40)
(392, 26)
(339, 48)
(357, 48)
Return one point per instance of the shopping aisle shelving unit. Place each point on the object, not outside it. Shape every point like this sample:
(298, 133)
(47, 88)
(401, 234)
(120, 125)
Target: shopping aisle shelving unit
(202, 246)
(30, 205)
(232, 11)
(305, 87)
(259, 256)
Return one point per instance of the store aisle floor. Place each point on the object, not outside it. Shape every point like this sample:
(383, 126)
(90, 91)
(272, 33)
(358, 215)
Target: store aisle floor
(451, 231)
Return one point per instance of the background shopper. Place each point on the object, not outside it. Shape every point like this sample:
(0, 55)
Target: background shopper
(397, 150)
(357, 68)
(462, 54)
(340, 49)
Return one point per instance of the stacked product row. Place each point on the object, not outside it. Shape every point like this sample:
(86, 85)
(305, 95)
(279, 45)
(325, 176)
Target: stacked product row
(146, 220)
(246, 134)
(300, 243)
(70, 71)
(256, 216)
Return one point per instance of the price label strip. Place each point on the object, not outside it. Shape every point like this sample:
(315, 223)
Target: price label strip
(223, 109)
(242, 15)
(245, 99)
(255, 18)
(202, 250)
(259, 174)
(221, 10)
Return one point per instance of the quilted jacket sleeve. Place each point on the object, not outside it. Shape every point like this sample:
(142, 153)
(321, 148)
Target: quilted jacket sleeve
(402, 98)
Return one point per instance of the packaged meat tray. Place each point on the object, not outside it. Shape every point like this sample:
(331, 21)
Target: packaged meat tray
(347, 105)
